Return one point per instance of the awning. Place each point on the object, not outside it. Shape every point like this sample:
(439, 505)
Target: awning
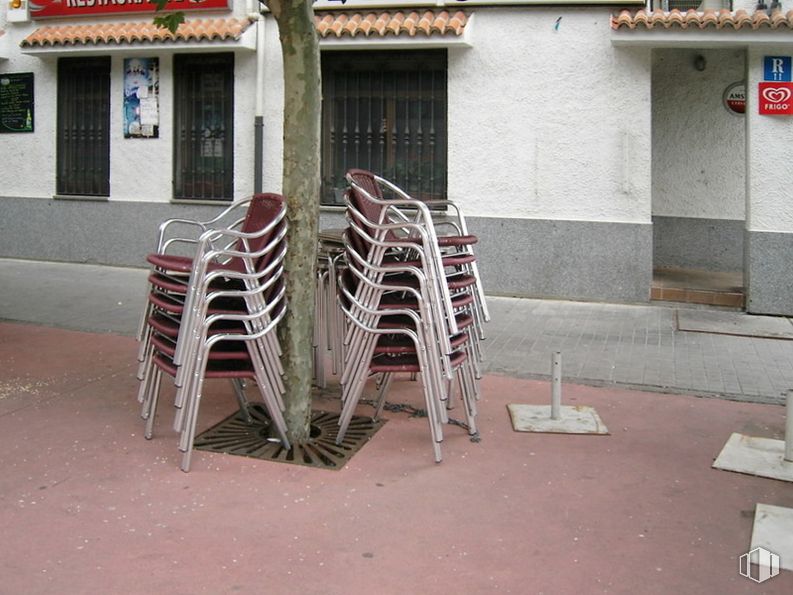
(109, 37)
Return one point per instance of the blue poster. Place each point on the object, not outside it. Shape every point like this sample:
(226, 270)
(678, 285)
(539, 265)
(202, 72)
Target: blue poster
(141, 97)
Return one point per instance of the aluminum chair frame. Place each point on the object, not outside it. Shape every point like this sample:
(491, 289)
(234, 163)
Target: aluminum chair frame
(194, 387)
(458, 223)
(433, 390)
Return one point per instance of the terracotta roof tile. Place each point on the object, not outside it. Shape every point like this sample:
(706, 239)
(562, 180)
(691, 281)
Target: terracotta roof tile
(382, 24)
(709, 19)
(135, 32)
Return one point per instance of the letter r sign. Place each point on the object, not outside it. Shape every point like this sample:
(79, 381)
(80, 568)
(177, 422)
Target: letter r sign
(777, 68)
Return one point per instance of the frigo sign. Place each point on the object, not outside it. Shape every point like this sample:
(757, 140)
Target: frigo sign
(775, 99)
(40, 9)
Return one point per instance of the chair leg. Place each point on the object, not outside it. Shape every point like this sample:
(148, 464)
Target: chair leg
(153, 399)
(239, 392)
(385, 384)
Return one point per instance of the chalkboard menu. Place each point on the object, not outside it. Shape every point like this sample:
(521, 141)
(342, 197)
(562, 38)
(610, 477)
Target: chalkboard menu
(16, 102)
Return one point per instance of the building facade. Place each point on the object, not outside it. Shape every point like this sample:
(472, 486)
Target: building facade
(587, 144)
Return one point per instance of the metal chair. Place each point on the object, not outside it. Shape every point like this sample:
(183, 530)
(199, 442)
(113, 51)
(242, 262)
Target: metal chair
(216, 321)
(448, 219)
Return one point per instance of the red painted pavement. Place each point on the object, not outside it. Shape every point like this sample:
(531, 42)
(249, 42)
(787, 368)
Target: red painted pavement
(88, 506)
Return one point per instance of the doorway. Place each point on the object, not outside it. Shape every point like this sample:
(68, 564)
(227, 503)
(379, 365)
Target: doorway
(698, 177)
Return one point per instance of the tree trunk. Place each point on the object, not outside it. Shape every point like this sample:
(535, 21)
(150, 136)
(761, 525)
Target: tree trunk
(301, 181)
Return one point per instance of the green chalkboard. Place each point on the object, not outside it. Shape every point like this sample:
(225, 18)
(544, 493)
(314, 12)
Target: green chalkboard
(16, 102)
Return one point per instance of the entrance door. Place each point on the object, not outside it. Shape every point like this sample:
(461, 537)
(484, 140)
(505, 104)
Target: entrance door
(83, 145)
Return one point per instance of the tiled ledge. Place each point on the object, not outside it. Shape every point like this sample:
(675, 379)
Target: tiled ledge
(698, 296)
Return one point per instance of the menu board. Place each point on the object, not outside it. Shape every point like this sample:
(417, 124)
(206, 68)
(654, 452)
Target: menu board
(16, 102)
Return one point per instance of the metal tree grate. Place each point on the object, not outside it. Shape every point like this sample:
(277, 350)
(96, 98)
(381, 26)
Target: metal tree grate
(236, 436)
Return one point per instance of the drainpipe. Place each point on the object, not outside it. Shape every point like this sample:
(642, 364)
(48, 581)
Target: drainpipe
(258, 122)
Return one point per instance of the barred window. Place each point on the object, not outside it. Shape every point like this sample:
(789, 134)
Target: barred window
(386, 112)
(83, 142)
(204, 126)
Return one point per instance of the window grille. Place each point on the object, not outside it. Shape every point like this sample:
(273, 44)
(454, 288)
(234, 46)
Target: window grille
(83, 137)
(385, 112)
(685, 5)
(204, 126)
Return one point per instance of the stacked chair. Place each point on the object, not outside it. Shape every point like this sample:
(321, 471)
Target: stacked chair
(212, 313)
(413, 303)
(448, 220)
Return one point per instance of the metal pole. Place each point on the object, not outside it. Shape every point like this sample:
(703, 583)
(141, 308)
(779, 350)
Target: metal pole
(789, 428)
(556, 384)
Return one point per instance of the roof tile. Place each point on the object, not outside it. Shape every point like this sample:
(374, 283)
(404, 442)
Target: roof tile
(338, 24)
(135, 32)
(709, 19)
(382, 24)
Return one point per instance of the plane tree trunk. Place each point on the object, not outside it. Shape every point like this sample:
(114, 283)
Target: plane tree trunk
(301, 187)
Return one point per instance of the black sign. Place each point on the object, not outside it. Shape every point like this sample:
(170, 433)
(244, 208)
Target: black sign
(16, 102)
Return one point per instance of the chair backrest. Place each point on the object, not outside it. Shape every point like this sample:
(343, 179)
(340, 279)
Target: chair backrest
(264, 209)
(366, 180)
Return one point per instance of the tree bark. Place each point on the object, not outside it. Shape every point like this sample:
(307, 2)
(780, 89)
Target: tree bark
(301, 186)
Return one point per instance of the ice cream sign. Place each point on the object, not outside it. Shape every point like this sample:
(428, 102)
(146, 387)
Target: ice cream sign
(775, 93)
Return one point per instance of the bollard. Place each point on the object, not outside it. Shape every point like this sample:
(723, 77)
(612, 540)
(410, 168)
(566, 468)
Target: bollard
(789, 428)
(556, 384)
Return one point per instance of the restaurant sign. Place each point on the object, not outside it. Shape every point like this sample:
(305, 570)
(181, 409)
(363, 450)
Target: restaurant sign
(40, 9)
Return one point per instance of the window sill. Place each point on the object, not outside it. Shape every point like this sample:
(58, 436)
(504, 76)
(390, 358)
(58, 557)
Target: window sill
(194, 201)
(332, 208)
(80, 197)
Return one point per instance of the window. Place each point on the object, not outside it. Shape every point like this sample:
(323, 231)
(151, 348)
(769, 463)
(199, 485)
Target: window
(386, 112)
(685, 5)
(83, 137)
(204, 126)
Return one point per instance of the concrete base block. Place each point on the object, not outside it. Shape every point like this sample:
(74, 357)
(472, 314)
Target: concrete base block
(773, 528)
(579, 419)
(763, 457)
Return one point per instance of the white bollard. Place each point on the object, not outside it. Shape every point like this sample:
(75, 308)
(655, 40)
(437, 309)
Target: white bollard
(789, 428)
(556, 385)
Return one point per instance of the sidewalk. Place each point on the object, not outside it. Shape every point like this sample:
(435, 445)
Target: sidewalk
(87, 505)
(601, 344)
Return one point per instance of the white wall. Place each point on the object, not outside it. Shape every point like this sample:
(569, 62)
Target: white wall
(140, 169)
(769, 156)
(272, 172)
(698, 159)
(27, 162)
(547, 123)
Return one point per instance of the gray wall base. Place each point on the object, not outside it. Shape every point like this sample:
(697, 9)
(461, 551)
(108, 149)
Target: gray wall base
(579, 260)
(576, 260)
(708, 244)
(115, 233)
(769, 273)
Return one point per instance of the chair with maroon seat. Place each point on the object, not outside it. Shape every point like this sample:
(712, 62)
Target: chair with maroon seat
(243, 333)
(412, 243)
(399, 339)
(395, 269)
(448, 220)
(170, 269)
(216, 321)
